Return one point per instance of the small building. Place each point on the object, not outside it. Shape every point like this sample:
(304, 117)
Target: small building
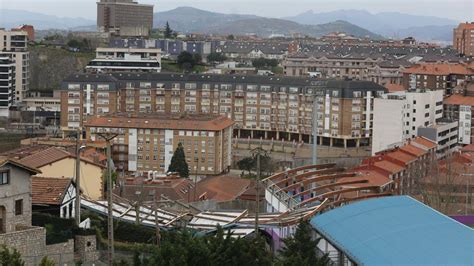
(59, 163)
(126, 60)
(444, 133)
(53, 195)
(397, 230)
(146, 142)
(15, 200)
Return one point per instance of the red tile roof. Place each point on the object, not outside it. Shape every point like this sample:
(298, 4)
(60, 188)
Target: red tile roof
(48, 191)
(223, 188)
(394, 87)
(5, 160)
(373, 179)
(441, 69)
(158, 121)
(458, 99)
(389, 166)
(415, 151)
(45, 157)
(429, 144)
(50, 156)
(401, 156)
(468, 148)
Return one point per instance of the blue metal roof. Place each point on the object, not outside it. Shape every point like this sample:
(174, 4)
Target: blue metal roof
(396, 230)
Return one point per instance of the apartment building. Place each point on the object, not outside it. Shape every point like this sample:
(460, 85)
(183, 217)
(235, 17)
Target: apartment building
(125, 60)
(7, 85)
(124, 18)
(270, 108)
(14, 45)
(382, 64)
(463, 39)
(460, 107)
(147, 141)
(444, 134)
(398, 115)
(437, 76)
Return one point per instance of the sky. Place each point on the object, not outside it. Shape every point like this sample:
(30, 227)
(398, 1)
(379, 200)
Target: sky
(460, 10)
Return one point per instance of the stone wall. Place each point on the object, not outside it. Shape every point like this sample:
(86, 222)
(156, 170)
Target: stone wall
(30, 242)
(86, 248)
(61, 253)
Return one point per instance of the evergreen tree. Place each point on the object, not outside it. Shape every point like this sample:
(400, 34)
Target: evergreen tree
(186, 60)
(46, 262)
(178, 162)
(168, 31)
(300, 249)
(10, 257)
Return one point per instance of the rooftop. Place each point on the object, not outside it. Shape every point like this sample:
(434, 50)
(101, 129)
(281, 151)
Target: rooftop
(458, 99)
(224, 187)
(396, 230)
(50, 191)
(440, 69)
(49, 156)
(205, 122)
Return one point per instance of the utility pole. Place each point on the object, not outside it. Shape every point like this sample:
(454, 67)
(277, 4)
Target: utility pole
(315, 130)
(77, 209)
(110, 219)
(257, 154)
(158, 234)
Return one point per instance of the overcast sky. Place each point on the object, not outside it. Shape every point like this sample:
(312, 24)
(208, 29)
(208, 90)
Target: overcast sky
(461, 10)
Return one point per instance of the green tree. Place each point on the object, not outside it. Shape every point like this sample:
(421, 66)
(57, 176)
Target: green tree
(230, 37)
(168, 31)
(197, 58)
(186, 60)
(105, 179)
(47, 262)
(178, 162)
(216, 57)
(10, 257)
(246, 164)
(300, 249)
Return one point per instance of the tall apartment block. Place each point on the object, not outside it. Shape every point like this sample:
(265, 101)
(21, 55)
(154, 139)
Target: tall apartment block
(13, 45)
(437, 76)
(463, 39)
(399, 115)
(7, 84)
(269, 108)
(124, 18)
(146, 142)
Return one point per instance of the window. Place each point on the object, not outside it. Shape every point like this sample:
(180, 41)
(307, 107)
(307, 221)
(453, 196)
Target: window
(4, 177)
(19, 207)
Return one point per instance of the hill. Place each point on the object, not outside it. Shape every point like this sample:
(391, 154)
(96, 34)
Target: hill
(388, 24)
(188, 19)
(12, 18)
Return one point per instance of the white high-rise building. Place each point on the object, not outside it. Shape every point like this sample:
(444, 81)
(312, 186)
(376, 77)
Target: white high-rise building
(398, 115)
(14, 46)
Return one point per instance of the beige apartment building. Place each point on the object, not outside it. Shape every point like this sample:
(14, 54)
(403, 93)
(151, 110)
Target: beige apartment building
(146, 142)
(124, 18)
(268, 108)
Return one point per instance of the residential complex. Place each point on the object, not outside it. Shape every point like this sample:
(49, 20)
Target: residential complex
(14, 83)
(124, 18)
(278, 108)
(460, 107)
(444, 133)
(398, 115)
(437, 76)
(381, 64)
(125, 60)
(146, 142)
(463, 38)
